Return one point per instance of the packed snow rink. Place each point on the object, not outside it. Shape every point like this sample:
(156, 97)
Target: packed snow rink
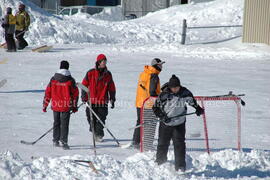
(22, 117)
(213, 62)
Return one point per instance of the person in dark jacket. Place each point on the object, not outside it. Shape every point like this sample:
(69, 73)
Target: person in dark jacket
(102, 90)
(9, 23)
(63, 94)
(22, 25)
(148, 85)
(169, 107)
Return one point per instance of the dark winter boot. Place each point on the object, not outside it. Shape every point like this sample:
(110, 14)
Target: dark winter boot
(65, 146)
(136, 145)
(56, 144)
(180, 169)
(99, 138)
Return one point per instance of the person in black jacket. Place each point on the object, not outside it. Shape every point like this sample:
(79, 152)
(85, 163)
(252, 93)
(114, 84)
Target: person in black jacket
(169, 107)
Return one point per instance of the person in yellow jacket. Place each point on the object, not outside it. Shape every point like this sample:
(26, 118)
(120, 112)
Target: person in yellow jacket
(22, 25)
(8, 24)
(148, 85)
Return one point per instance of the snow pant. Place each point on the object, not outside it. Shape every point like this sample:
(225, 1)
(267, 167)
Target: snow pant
(10, 42)
(136, 134)
(61, 126)
(102, 112)
(22, 43)
(177, 134)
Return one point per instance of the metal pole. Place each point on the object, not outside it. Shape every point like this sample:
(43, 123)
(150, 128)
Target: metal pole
(167, 3)
(205, 129)
(57, 6)
(184, 31)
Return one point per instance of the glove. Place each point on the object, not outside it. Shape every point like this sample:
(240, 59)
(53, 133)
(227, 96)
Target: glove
(44, 109)
(74, 109)
(84, 100)
(112, 104)
(166, 119)
(199, 111)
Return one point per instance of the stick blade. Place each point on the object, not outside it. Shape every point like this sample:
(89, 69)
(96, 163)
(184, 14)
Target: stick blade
(126, 146)
(81, 86)
(27, 143)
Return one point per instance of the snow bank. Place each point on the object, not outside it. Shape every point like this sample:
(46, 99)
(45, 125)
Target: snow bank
(227, 164)
(162, 27)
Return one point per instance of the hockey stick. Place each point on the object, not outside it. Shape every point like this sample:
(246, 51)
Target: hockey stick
(105, 126)
(93, 112)
(161, 120)
(90, 163)
(85, 89)
(3, 44)
(34, 142)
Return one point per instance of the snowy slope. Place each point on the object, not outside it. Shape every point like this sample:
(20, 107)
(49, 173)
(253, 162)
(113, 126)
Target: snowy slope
(159, 27)
(159, 31)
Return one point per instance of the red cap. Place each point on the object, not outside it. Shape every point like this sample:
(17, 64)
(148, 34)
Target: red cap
(101, 57)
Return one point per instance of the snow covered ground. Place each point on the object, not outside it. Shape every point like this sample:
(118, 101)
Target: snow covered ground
(206, 68)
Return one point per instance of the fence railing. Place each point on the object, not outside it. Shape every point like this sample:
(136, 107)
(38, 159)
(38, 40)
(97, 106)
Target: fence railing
(185, 28)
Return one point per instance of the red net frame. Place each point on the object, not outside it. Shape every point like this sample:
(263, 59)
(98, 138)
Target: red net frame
(237, 100)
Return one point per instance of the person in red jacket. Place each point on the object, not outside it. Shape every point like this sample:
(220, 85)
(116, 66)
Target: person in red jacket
(100, 83)
(63, 94)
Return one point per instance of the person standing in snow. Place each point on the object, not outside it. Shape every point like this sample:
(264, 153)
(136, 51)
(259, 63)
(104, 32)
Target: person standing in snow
(148, 85)
(9, 23)
(102, 89)
(22, 25)
(63, 94)
(169, 104)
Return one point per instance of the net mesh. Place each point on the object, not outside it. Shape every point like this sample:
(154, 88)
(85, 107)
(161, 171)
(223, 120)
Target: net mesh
(219, 129)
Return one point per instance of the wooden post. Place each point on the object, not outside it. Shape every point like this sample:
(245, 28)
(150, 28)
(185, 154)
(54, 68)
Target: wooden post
(184, 31)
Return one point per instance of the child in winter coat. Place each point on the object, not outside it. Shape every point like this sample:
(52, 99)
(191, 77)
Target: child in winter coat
(9, 23)
(169, 107)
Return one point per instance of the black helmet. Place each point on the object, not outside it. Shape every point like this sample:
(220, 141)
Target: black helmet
(21, 7)
(9, 10)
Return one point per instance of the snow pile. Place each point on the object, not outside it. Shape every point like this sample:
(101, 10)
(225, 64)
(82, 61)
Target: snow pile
(162, 27)
(224, 164)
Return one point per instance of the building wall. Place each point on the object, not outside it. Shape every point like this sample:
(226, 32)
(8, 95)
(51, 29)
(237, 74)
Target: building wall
(48, 5)
(73, 2)
(256, 27)
(142, 7)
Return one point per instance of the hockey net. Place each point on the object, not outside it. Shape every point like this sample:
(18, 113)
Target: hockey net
(218, 128)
